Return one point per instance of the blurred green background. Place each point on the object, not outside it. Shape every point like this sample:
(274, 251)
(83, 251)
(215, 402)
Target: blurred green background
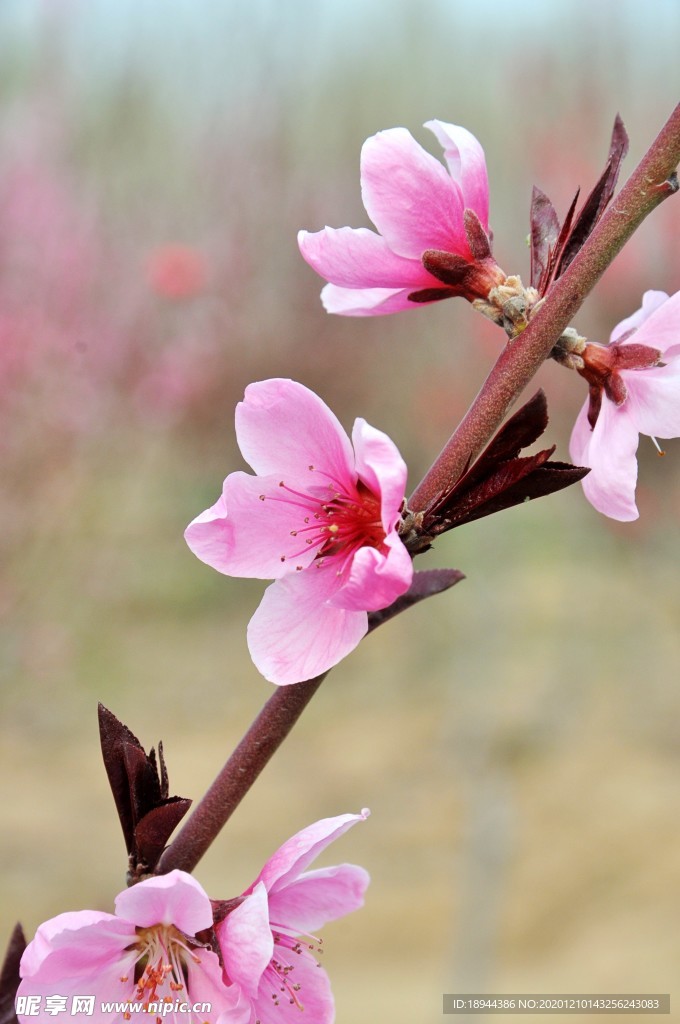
(517, 738)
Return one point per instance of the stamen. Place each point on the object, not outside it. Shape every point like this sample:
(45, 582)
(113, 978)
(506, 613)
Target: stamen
(656, 444)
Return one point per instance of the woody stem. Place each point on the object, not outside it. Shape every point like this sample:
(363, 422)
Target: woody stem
(652, 181)
(265, 735)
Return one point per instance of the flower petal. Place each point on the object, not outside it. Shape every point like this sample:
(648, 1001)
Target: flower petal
(282, 428)
(410, 197)
(381, 467)
(246, 941)
(48, 933)
(654, 398)
(205, 984)
(467, 165)
(312, 996)
(375, 577)
(175, 898)
(250, 530)
(310, 901)
(367, 301)
(660, 323)
(91, 960)
(609, 449)
(295, 634)
(651, 301)
(360, 258)
(301, 849)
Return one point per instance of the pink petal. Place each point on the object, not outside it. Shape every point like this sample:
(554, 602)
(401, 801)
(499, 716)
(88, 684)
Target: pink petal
(282, 428)
(205, 984)
(44, 939)
(313, 995)
(660, 327)
(410, 197)
(310, 901)
(654, 398)
(367, 301)
(246, 941)
(301, 849)
(381, 467)
(651, 301)
(254, 540)
(359, 258)
(175, 898)
(375, 578)
(296, 634)
(87, 961)
(467, 165)
(68, 980)
(609, 450)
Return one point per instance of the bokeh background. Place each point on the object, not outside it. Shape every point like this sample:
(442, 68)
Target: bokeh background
(517, 738)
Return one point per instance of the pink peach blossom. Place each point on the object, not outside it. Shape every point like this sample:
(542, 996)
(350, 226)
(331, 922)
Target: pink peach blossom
(635, 389)
(416, 206)
(155, 926)
(318, 517)
(267, 940)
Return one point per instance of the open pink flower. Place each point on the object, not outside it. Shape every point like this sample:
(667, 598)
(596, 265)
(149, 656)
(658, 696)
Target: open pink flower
(147, 952)
(634, 389)
(425, 250)
(319, 518)
(267, 942)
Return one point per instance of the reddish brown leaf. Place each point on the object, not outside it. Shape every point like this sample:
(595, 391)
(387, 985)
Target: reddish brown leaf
(573, 236)
(156, 827)
(425, 584)
(500, 479)
(9, 975)
(545, 228)
(139, 782)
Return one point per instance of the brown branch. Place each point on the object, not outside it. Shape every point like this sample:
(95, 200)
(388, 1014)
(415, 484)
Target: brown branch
(265, 735)
(651, 182)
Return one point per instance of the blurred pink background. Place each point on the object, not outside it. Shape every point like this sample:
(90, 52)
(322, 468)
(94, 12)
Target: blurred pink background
(516, 739)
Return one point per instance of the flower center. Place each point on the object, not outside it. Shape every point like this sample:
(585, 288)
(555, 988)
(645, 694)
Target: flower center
(159, 967)
(335, 519)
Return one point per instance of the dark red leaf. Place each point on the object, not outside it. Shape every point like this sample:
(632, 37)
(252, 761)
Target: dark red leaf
(9, 975)
(551, 273)
(572, 237)
(156, 827)
(139, 782)
(522, 429)
(425, 584)
(499, 478)
(545, 228)
(113, 735)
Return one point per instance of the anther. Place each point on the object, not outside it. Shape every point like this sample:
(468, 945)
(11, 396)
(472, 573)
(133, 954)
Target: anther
(656, 444)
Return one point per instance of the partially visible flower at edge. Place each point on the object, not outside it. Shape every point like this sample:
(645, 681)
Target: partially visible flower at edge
(634, 389)
(433, 228)
(269, 939)
(318, 517)
(90, 953)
